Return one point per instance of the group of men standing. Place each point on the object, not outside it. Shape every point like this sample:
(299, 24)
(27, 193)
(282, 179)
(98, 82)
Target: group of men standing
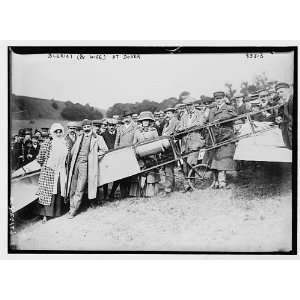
(96, 139)
(87, 147)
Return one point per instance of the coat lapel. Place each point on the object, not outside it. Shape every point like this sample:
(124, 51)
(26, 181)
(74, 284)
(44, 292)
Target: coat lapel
(93, 141)
(126, 130)
(77, 144)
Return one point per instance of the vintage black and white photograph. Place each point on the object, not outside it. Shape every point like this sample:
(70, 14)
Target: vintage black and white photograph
(152, 149)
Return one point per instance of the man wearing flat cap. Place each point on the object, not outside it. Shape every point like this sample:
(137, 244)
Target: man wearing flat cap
(267, 115)
(159, 121)
(240, 105)
(85, 154)
(180, 110)
(193, 141)
(103, 126)
(285, 113)
(169, 129)
(71, 135)
(221, 159)
(135, 117)
(126, 131)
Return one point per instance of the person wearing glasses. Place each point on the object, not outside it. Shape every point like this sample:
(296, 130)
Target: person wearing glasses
(53, 177)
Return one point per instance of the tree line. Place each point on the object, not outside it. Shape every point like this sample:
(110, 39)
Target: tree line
(260, 82)
(77, 112)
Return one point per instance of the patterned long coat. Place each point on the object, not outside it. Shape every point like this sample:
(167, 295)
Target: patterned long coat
(46, 179)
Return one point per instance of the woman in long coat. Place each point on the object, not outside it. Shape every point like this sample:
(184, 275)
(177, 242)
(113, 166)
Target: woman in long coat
(145, 186)
(53, 177)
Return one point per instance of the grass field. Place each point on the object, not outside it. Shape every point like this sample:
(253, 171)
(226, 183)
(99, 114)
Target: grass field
(253, 215)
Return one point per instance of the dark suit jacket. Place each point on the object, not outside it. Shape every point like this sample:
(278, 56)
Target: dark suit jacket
(109, 139)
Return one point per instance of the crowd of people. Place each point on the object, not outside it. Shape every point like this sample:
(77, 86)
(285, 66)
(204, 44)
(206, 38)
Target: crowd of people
(69, 162)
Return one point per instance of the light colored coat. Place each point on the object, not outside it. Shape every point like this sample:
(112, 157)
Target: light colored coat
(142, 135)
(125, 135)
(97, 150)
(193, 140)
(170, 127)
(49, 177)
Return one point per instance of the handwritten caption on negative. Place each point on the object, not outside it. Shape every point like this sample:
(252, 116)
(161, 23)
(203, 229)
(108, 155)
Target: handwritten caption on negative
(93, 57)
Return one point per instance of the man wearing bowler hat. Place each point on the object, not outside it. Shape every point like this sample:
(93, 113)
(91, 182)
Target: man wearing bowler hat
(85, 154)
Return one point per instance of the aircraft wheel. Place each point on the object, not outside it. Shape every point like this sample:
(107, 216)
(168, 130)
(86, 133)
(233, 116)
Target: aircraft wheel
(200, 177)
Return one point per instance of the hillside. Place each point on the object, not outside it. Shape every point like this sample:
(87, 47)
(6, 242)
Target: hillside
(29, 108)
(36, 112)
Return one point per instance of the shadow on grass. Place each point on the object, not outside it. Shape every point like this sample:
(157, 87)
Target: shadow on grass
(262, 180)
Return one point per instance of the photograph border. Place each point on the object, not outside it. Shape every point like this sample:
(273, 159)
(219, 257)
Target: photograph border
(168, 50)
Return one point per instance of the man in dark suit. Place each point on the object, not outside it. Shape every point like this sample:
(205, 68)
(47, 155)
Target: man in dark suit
(71, 135)
(18, 150)
(109, 137)
(110, 134)
(159, 121)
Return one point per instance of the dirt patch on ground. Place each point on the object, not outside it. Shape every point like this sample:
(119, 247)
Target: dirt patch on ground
(253, 215)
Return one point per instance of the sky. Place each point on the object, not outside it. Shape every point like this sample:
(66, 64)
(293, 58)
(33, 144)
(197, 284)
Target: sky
(110, 79)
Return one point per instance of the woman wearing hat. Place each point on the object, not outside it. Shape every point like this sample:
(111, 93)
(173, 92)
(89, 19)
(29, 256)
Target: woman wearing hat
(52, 181)
(146, 186)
